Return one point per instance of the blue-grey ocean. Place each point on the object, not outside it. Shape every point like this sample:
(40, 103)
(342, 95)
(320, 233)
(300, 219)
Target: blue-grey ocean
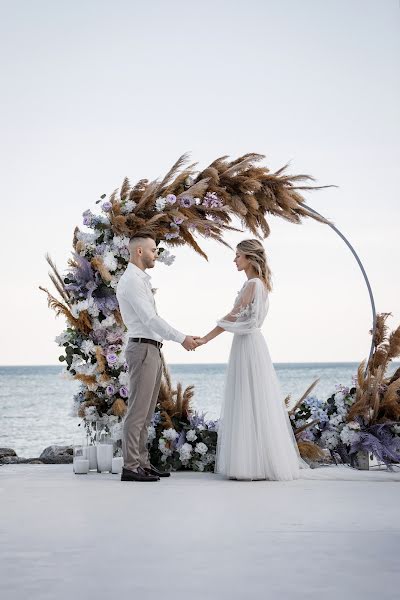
(35, 402)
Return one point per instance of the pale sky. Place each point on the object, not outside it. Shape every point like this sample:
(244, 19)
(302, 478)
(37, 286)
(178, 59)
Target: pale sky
(96, 90)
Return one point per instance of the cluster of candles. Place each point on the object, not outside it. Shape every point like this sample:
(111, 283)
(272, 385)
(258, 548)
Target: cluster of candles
(99, 457)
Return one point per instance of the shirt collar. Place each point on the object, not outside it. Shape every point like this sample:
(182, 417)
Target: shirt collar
(138, 271)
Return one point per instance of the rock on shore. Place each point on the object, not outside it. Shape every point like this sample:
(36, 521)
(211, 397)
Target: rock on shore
(50, 455)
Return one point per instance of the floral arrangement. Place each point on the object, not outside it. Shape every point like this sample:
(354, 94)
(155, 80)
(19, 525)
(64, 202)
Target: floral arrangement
(363, 418)
(184, 205)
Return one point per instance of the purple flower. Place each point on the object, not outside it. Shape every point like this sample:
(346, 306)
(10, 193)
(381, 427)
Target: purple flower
(88, 218)
(123, 392)
(112, 348)
(112, 358)
(186, 201)
(171, 199)
(106, 206)
(110, 390)
(211, 200)
(171, 236)
(178, 220)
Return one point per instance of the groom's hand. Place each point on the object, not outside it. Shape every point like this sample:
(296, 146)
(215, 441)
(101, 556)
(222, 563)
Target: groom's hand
(189, 343)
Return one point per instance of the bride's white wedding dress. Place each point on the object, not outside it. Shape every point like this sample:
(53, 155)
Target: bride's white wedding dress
(255, 437)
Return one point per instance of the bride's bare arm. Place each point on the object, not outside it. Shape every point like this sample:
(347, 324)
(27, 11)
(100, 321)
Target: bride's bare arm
(210, 336)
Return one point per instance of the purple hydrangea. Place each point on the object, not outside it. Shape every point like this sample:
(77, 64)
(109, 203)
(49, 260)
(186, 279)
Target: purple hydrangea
(110, 390)
(171, 199)
(178, 220)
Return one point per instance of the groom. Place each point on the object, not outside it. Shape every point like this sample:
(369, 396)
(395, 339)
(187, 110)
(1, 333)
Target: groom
(146, 330)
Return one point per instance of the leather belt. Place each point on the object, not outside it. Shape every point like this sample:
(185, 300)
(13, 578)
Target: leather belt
(147, 341)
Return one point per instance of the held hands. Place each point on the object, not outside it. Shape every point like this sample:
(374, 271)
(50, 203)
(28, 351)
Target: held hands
(192, 342)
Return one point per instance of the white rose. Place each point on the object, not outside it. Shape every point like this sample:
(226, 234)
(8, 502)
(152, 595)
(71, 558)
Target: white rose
(191, 435)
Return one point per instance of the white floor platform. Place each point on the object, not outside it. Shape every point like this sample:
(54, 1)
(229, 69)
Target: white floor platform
(197, 536)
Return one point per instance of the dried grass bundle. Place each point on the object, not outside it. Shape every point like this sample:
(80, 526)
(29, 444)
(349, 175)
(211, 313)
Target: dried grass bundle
(377, 397)
(87, 379)
(98, 264)
(100, 358)
(310, 451)
(249, 191)
(119, 408)
(83, 323)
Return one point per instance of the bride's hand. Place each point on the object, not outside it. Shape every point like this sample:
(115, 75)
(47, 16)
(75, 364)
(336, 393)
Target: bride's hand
(200, 341)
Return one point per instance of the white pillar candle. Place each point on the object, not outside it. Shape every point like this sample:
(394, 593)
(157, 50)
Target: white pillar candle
(90, 453)
(117, 464)
(81, 466)
(104, 457)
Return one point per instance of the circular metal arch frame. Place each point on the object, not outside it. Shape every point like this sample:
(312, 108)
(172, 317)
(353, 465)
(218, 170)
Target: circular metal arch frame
(371, 296)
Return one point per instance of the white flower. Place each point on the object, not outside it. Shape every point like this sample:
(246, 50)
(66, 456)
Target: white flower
(92, 309)
(191, 435)
(62, 338)
(185, 452)
(166, 258)
(200, 427)
(91, 413)
(170, 434)
(339, 397)
(336, 420)
(87, 238)
(199, 465)
(123, 378)
(396, 429)
(88, 347)
(151, 433)
(114, 281)
(108, 321)
(120, 241)
(117, 431)
(201, 448)
(348, 435)
(110, 262)
(79, 307)
(128, 207)
(354, 425)
(164, 458)
(163, 448)
(329, 439)
(160, 204)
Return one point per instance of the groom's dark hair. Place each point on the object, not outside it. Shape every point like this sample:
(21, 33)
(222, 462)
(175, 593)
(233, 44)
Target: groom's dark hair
(142, 235)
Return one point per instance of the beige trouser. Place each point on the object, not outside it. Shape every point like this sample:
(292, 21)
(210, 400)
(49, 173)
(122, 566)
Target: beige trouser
(144, 368)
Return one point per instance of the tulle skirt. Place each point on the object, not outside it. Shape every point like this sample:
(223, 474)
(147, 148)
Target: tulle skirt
(255, 438)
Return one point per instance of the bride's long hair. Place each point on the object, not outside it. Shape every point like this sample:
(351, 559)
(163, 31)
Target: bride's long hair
(255, 254)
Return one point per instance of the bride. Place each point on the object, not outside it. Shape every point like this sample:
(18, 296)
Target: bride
(255, 437)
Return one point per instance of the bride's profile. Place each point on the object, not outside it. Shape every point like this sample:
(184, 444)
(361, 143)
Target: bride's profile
(255, 438)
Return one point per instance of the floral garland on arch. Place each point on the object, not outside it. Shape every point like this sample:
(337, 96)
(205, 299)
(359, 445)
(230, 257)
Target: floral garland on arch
(187, 204)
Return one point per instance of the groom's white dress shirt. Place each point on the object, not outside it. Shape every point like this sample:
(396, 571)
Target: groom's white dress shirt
(138, 308)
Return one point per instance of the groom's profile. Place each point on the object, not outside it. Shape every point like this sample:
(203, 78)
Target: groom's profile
(146, 330)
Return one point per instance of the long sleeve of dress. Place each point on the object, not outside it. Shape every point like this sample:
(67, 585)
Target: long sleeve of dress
(243, 318)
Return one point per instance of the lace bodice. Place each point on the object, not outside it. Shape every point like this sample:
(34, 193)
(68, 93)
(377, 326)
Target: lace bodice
(249, 310)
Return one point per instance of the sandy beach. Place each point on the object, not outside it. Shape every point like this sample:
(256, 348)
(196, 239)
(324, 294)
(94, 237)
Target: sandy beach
(196, 535)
